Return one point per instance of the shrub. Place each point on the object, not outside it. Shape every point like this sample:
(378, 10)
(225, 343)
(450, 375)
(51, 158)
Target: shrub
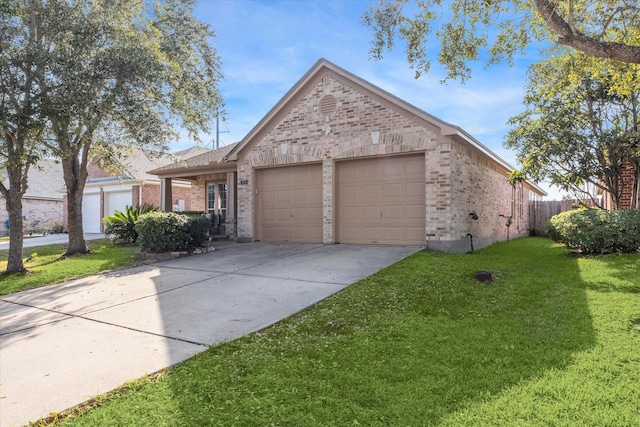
(596, 231)
(169, 231)
(122, 224)
(56, 227)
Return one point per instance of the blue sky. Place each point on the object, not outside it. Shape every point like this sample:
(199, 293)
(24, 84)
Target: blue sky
(266, 46)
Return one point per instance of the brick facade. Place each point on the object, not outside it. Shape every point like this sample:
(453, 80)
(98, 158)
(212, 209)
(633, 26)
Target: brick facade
(459, 178)
(150, 194)
(39, 215)
(627, 178)
(332, 116)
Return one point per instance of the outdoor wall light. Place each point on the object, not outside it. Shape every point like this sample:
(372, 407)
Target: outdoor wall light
(473, 215)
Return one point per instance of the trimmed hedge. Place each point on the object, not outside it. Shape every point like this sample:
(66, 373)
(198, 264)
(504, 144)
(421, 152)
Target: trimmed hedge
(596, 231)
(169, 231)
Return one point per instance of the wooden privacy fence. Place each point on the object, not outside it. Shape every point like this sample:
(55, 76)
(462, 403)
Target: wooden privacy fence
(541, 211)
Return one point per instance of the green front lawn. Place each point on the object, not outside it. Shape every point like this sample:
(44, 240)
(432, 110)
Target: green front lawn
(554, 340)
(46, 267)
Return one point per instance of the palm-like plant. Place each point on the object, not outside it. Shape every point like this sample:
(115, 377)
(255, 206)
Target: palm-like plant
(122, 225)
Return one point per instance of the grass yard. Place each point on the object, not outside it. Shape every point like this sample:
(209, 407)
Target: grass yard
(555, 340)
(47, 268)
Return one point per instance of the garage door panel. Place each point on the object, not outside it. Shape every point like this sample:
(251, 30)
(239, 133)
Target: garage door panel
(390, 206)
(371, 234)
(295, 195)
(351, 213)
(414, 189)
(414, 166)
(414, 211)
(390, 190)
(91, 213)
(369, 191)
(393, 213)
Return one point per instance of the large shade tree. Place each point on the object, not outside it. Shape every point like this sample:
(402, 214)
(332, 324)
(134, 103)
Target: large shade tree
(21, 123)
(579, 133)
(114, 72)
(607, 29)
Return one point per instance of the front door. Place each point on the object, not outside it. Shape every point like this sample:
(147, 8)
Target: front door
(217, 207)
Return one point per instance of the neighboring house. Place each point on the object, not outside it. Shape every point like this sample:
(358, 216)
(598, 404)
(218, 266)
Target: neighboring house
(339, 160)
(42, 203)
(128, 184)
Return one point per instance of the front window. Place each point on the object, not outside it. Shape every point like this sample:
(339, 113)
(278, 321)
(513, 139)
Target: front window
(217, 201)
(211, 198)
(222, 199)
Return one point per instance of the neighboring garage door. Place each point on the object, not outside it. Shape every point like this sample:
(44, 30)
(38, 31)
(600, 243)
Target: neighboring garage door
(381, 200)
(91, 213)
(289, 207)
(116, 201)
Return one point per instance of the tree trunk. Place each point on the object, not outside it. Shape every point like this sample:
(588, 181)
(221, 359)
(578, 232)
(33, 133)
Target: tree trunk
(16, 237)
(77, 242)
(75, 176)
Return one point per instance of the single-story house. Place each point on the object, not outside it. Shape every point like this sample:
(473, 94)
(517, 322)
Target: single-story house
(339, 160)
(42, 205)
(126, 183)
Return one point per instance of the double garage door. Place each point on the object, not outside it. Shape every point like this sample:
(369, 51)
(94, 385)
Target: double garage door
(378, 201)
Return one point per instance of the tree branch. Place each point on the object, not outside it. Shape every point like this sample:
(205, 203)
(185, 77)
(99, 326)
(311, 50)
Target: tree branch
(571, 37)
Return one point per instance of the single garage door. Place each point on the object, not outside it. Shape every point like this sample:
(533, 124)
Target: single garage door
(381, 200)
(116, 201)
(289, 204)
(91, 213)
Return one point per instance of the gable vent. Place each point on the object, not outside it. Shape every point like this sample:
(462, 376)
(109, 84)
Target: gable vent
(328, 105)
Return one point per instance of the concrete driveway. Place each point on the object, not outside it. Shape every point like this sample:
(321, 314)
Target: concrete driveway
(63, 344)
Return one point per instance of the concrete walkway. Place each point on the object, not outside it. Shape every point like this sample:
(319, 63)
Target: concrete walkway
(63, 344)
(50, 239)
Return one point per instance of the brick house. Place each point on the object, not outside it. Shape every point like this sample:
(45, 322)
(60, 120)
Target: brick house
(128, 184)
(339, 160)
(42, 206)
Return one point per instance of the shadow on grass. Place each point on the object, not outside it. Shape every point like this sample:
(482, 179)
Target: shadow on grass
(619, 273)
(410, 345)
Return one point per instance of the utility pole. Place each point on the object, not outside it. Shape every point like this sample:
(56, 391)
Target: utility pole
(218, 133)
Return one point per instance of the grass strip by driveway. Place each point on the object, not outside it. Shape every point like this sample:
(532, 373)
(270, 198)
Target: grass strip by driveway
(553, 341)
(46, 267)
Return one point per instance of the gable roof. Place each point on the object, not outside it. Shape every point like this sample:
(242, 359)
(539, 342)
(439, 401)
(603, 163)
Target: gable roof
(321, 68)
(44, 180)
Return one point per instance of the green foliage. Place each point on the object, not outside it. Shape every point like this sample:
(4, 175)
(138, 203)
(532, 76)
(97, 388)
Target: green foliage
(504, 28)
(577, 134)
(170, 231)
(85, 75)
(122, 224)
(596, 231)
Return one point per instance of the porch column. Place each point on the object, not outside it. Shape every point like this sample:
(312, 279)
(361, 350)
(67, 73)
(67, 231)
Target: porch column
(166, 197)
(230, 225)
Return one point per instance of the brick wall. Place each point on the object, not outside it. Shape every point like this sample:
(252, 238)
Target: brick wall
(481, 186)
(459, 179)
(627, 186)
(151, 194)
(40, 214)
